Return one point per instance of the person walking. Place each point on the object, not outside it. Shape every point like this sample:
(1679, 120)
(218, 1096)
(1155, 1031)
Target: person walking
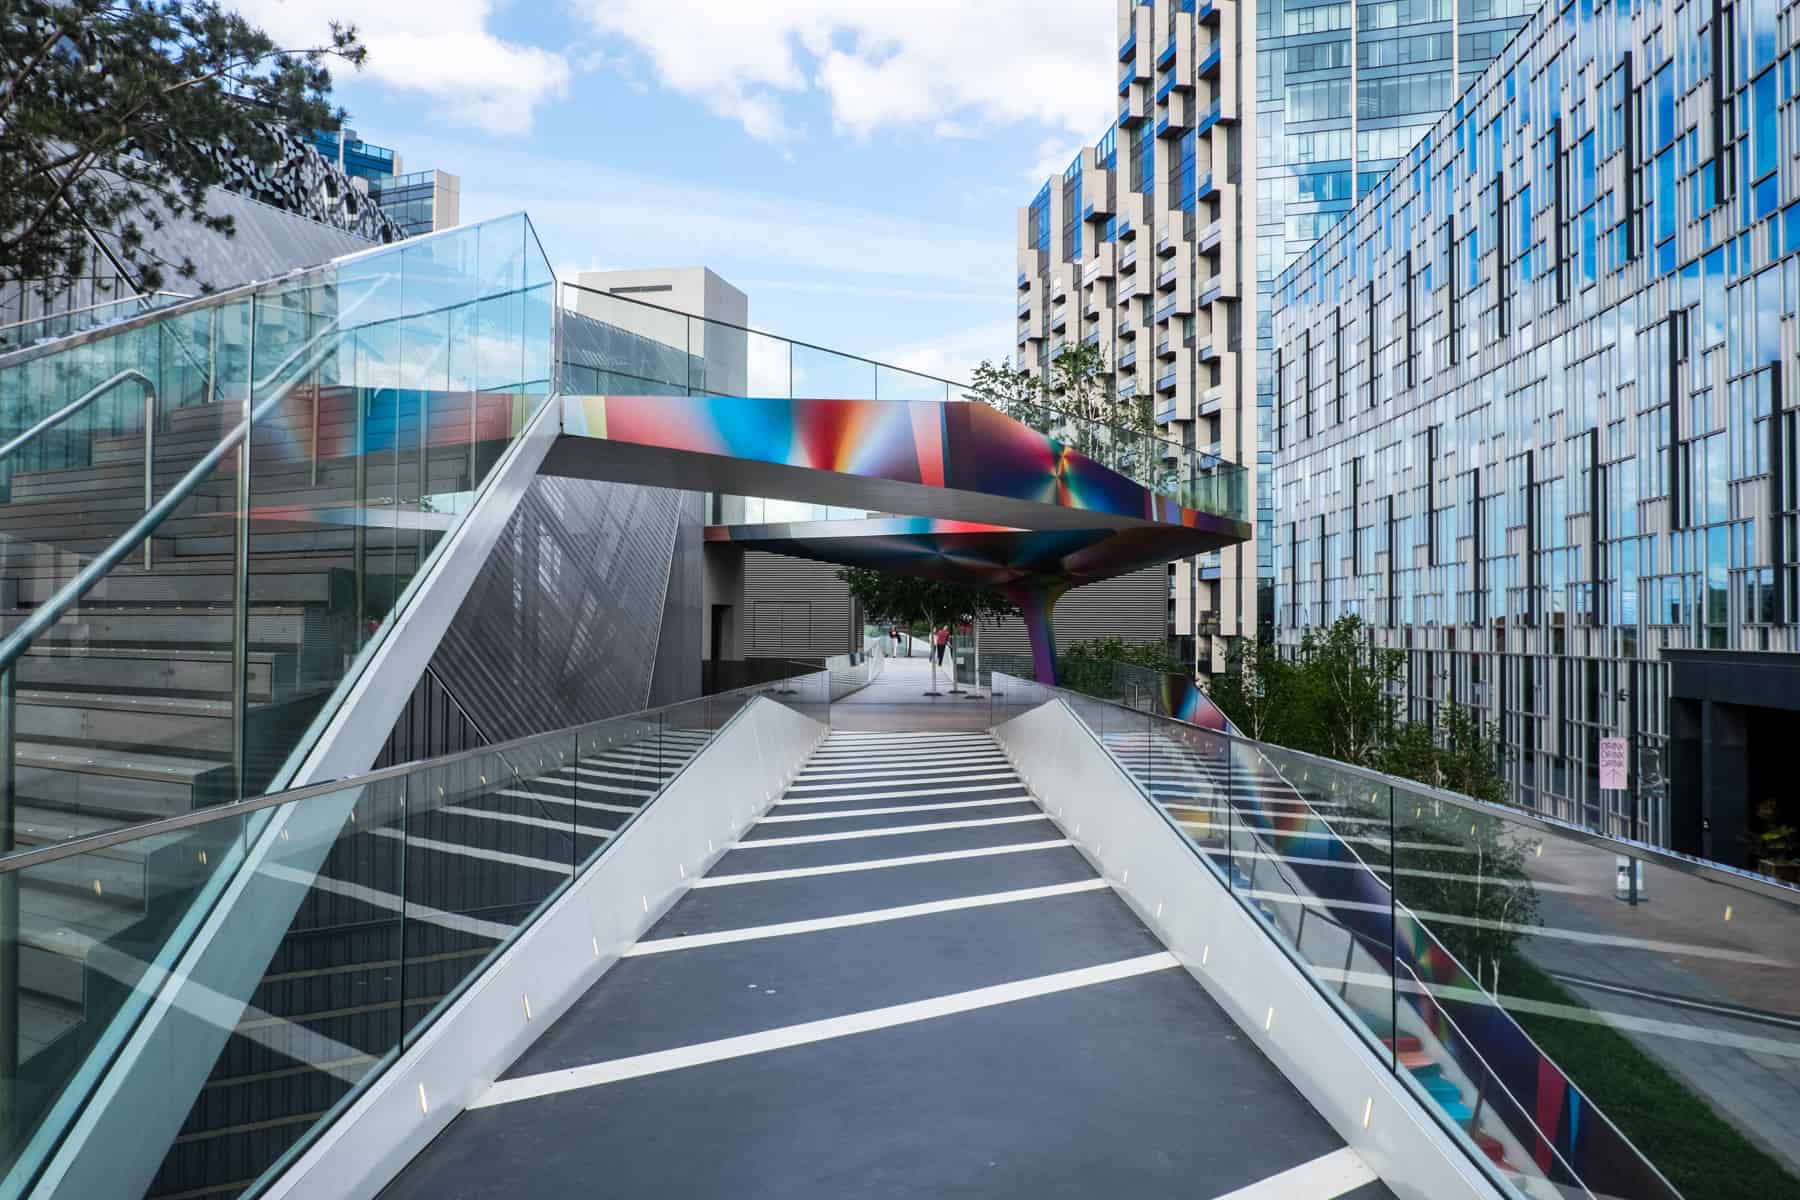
(940, 640)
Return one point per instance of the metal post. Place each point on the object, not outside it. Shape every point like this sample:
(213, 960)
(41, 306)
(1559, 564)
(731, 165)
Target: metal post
(149, 464)
(9, 918)
(240, 572)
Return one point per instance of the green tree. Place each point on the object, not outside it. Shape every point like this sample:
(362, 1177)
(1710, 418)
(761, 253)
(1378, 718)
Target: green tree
(111, 115)
(1017, 394)
(910, 600)
(1087, 666)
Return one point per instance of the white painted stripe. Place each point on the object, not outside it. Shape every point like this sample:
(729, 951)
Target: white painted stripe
(889, 831)
(1324, 1177)
(595, 805)
(868, 917)
(877, 864)
(458, 810)
(611, 789)
(621, 773)
(955, 777)
(413, 909)
(858, 735)
(920, 793)
(897, 774)
(530, 1087)
(892, 809)
(841, 761)
(494, 856)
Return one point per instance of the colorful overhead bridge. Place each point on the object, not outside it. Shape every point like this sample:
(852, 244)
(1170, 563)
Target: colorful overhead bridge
(988, 499)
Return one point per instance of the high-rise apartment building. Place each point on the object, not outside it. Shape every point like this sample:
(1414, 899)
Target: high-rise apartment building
(1537, 418)
(1139, 249)
(419, 202)
(1343, 90)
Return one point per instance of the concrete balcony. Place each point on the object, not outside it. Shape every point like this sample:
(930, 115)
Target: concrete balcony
(1059, 319)
(1165, 279)
(1165, 383)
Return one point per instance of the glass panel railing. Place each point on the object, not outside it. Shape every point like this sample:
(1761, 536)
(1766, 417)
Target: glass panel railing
(1584, 1026)
(396, 889)
(210, 512)
(621, 345)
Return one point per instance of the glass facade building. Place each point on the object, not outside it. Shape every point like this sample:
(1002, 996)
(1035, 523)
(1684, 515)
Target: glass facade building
(419, 202)
(1343, 91)
(1532, 424)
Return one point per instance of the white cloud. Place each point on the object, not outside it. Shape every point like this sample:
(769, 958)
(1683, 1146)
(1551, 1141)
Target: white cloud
(944, 65)
(583, 209)
(1053, 158)
(442, 48)
(956, 355)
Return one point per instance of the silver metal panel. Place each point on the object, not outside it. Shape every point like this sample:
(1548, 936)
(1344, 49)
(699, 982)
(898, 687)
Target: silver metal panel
(1099, 808)
(795, 608)
(647, 868)
(678, 650)
(562, 625)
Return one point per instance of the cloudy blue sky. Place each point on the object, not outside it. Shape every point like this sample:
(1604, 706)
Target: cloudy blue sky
(855, 167)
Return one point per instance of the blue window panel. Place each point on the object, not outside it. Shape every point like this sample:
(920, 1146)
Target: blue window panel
(1763, 138)
(1664, 131)
(1767, 196)
(1665, 194)
(1790, 228)
(1585, 158)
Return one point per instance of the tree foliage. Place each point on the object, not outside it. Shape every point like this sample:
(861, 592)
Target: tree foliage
(887, 598)
(1337, 697)
(1080, 407)
(113, 114)
(1088, 666)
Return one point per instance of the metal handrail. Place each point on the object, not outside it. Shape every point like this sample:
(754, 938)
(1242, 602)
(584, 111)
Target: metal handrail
(144, 297)
(967, 389)
(19, 860)
(129, 374)
(1685, 863)
(82, 401)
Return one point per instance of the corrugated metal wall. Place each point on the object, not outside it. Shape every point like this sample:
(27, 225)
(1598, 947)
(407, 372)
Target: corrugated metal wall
(678, 648)
(564, 623)
(1134, 607)
(797, 608)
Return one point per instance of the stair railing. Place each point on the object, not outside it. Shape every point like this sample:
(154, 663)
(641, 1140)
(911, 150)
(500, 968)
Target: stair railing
(80, 403)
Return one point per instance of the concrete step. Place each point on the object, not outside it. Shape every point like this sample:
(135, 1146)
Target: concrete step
(197, 727)
(270, 627)
(208, 581)
(129, 785)
(158, 670)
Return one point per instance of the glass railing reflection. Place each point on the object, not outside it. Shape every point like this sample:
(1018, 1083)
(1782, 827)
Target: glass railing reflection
(357, 912)
(1582, 1034)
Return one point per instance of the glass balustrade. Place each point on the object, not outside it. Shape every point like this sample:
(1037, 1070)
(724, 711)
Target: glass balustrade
(211, 511)
(352, 913)
(1587, 1017)
(624, 346)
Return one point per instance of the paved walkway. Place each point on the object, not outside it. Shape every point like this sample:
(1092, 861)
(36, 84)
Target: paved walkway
(902, 982)
(897, 701)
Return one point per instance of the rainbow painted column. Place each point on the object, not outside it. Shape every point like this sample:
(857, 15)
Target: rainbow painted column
(1035, 604)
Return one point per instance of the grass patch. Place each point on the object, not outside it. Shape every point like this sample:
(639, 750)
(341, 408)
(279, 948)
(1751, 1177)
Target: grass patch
(1704, 1157)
